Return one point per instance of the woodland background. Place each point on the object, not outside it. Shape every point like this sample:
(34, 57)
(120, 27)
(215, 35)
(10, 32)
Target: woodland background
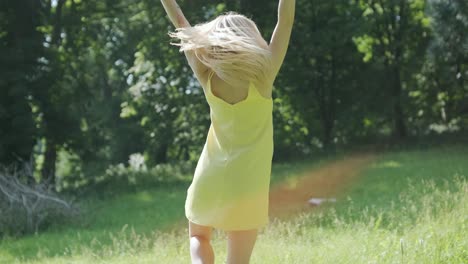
(93, 88)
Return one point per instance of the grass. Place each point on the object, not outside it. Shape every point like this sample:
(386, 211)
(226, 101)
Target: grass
(407, 207)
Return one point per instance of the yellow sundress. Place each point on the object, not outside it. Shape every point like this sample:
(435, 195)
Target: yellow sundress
(230, 187)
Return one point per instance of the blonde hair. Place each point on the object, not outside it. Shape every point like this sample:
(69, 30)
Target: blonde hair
(231, 45)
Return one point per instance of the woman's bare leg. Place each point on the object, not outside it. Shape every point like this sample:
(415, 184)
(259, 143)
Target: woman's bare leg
(240, 246)
(201, 251)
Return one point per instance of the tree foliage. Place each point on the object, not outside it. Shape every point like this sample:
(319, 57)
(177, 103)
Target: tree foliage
(86, 84)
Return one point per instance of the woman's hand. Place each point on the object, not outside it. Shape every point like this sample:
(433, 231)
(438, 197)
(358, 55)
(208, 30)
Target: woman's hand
(175, 13)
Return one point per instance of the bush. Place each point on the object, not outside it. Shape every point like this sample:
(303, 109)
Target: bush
(28, 208)
(161, 173)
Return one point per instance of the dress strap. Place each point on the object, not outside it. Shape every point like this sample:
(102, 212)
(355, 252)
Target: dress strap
(253, 91)
(211, 75)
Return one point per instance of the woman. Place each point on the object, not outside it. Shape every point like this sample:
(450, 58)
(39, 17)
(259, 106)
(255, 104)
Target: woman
(236, 68)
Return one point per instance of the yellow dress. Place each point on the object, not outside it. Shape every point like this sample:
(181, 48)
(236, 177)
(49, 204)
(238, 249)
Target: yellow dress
(230, 187)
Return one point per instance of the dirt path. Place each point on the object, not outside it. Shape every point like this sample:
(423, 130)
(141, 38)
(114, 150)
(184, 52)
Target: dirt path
(291, 197)
(288, 198)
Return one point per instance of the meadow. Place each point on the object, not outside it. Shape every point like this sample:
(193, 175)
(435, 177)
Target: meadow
(405, 206)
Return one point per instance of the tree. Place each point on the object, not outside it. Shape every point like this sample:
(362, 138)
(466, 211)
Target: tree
(446, 69)
(21, 53)
(320, 70)
(396, 37)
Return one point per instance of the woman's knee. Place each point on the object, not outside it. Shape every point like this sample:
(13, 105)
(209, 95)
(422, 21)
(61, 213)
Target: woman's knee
(243, 237)
(202, 233)
(240, 245)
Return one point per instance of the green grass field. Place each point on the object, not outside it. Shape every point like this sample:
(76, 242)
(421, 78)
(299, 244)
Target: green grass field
(407, 207)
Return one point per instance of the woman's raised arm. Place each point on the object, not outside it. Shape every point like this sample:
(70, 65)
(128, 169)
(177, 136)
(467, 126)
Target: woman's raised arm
(175, 13)
(280, 39)
(178, 19)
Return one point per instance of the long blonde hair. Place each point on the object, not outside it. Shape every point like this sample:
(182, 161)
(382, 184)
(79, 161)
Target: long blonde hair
(231, 45)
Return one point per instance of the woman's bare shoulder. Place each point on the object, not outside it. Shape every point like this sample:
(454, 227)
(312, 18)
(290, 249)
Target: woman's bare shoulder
(203, 78)
(265, 88)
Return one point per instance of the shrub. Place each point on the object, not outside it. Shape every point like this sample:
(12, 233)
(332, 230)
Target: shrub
(136, 172)
(161, 173)
(28, 208)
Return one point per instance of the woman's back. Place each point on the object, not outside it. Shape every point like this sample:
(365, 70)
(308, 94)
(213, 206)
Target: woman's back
(238, 92)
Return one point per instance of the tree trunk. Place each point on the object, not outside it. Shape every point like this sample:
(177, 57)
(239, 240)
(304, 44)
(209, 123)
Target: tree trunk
(161, 154)
(50, 159)
(56, 38)
(328, 108)
(327, 133)
(326, 113)
(399, 126)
